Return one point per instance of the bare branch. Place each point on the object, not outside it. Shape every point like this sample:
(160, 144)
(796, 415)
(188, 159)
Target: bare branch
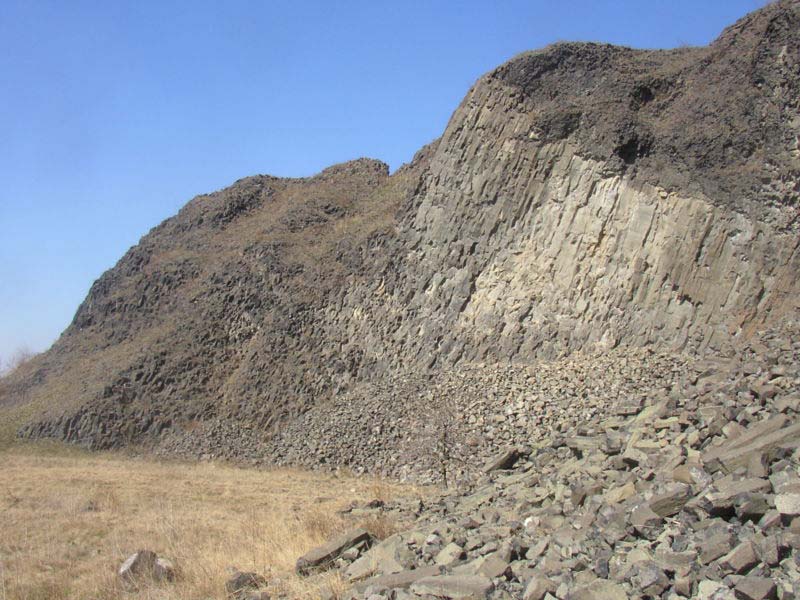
(20, 356)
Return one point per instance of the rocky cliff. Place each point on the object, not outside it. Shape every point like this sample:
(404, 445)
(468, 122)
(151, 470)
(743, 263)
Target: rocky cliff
(584, 198)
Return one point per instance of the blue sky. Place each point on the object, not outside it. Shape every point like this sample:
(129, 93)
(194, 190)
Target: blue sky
(114, 114)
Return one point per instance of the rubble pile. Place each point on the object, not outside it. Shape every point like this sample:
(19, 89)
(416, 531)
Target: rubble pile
(695, 493)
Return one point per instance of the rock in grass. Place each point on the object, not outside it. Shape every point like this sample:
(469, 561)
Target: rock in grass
(322, 557)
(242, 582)
(163, 570)
(138, 566)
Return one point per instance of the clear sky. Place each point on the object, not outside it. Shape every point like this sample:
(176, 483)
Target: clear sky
(114, 114)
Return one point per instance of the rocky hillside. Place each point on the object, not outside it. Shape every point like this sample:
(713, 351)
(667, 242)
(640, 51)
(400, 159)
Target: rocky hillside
(584, 200)
(694, 494)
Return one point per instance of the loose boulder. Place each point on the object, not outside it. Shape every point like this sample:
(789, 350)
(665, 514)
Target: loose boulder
(146, 565)
(322, 557)
(244, 581)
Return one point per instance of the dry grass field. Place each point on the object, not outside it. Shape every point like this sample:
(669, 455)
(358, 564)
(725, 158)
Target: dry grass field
(68, 519)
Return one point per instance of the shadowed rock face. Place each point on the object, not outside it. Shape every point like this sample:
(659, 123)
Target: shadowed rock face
(582, 197)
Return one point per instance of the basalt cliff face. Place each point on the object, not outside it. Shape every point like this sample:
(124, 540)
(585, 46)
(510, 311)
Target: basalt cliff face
(584, 200)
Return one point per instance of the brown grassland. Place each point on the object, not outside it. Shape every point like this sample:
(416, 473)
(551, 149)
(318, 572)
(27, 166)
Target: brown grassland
(69, 518)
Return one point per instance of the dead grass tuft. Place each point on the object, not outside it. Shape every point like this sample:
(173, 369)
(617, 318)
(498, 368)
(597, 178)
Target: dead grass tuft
(382, 526)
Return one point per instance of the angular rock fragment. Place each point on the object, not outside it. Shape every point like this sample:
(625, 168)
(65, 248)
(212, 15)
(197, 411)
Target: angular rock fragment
(739, 454)
(494, 565)
(715, 547)
(721, 502)
(390, 556)
(600, 589)
(751, 507)
(684, 585)
(756, 588)
(164, 570)
(453, 586)
(537, 549)
(714, 590)
(505, 461)
(679, 563)
(649, 578)
(241, 582)
(449, 555)
(397, 581)
(138, 566)
(788, 504)
(739, 560)
(671, 500)
(691, 474)
(538, 587)
(645, 521)
(620, 494)
(322, 557)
